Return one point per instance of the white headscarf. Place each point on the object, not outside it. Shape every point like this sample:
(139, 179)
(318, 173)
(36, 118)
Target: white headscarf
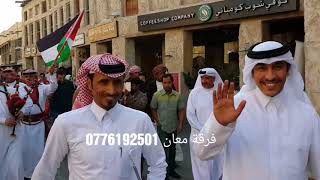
(209, 72)
(294, 83)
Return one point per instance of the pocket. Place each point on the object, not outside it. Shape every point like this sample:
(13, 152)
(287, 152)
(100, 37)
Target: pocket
(295, 158)
(131, 157)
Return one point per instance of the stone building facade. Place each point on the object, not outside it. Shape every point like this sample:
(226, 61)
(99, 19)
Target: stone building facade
(11, 46)
(40, 18)
(301, 25)
(113, 26)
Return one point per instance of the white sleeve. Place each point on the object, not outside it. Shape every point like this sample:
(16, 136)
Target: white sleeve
(52, 86)
(213, 128)
(22, 91)
(191, 113)
(314, 154)
(154, 155)
(2, 112)
(54, 152)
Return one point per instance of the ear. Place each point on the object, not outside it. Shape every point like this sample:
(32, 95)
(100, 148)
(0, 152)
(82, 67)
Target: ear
(89, 84)
(288, 67)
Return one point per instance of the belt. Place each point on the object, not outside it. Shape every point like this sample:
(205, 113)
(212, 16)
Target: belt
(32, 119)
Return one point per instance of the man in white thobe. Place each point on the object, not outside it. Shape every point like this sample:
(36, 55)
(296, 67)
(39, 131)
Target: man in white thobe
(10, 77)
(101, 81)
(199, 109)
(11, 166)
(33, 125)
(269, 130)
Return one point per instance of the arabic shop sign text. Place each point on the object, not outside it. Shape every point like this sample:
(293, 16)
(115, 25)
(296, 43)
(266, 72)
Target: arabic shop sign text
(166, 19)
(220, 11)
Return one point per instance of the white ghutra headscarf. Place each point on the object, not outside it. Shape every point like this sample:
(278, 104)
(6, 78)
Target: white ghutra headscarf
(209, 72)
(273, 51)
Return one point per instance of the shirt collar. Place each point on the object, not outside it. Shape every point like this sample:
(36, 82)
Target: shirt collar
(265, 100)
(12, 84)
(207, 90)
(262, 98)
(99, 112)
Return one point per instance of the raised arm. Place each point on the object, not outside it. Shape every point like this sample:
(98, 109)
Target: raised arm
(52, 86)
(221, 123)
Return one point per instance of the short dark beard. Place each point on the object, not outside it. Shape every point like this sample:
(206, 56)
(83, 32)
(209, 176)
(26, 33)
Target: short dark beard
(168, 91)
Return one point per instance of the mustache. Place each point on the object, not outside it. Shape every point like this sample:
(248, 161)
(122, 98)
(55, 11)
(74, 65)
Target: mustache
(104, 94)
(272, 81)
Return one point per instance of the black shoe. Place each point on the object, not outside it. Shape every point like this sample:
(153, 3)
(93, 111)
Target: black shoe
(174, 175)
(167, 178)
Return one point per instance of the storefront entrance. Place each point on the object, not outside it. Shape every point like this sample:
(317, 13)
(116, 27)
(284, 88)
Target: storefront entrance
(217, 48)
(149, 52)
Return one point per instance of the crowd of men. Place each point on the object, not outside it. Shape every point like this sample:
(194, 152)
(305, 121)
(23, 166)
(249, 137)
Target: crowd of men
(268, 130)
(29, 105)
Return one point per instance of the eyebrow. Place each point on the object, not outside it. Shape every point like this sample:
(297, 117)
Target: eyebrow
(279, 62)
(103, 80)
(261, 64)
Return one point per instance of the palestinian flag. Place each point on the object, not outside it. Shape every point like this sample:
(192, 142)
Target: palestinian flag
(57, 45)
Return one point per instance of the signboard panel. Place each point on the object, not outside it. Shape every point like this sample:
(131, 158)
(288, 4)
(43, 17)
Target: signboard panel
(102, 32)
(214, 12)
(79, 40)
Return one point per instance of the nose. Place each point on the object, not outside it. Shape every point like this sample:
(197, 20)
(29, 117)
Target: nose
(111, 89)
(270, 75)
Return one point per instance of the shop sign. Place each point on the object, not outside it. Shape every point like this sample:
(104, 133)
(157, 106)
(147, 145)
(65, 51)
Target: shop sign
(34, 51)
(30, 51)
(79, 40)
(103, 32)
(27, 51)
(205, 13)
(214, 12)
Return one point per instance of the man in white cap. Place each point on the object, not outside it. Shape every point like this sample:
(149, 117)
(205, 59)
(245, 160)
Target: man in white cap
(134, 72)
(75, 133)
(198, 112)
(10, 78)
(269, 130)
(34, 125)
(11, 166)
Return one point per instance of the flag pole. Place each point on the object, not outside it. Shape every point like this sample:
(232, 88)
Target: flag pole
(65, 43)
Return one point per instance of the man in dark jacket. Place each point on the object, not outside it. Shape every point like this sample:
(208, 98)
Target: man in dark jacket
(61, 100)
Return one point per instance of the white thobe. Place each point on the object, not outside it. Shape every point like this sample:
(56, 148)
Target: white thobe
(34, 135)
(274, 138)
(199, 108)
(13, 84)
(11, 166)
(68, 136)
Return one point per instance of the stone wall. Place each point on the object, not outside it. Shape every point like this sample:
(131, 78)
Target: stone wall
(31, 21)
(178, 55)
(312, 53)
(147, 6)
(250, 32)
